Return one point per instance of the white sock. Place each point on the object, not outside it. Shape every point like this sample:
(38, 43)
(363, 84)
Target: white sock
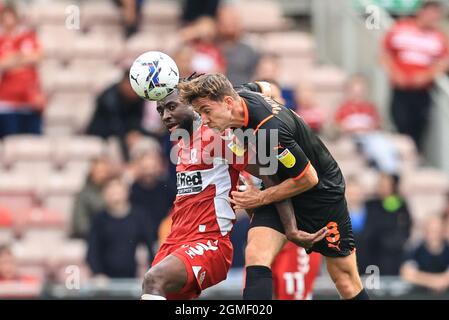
(147, 296)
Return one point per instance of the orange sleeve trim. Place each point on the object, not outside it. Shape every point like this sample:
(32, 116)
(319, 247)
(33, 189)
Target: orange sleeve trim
(303, 172)
(245, 113)
(262, 122)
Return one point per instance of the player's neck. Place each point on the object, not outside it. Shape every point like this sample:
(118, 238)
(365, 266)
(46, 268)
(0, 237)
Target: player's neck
(238, 114)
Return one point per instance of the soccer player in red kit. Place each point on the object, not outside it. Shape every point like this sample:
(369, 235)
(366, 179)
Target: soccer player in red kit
(198, 252)
(294, 273)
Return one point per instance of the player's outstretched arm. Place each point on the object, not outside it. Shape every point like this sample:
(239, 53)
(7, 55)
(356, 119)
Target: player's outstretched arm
(288, 219)
(253, 197)
(291, 187)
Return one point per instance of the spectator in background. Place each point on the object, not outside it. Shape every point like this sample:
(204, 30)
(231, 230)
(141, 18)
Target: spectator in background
(194, 9)
(357, 117)
(118, 113)
(115, 234)
(307, 108)
(151, 190)
(21, 97)
(428, 264)
(201, 36)
(131, 15)
(9, 269)
(242, 59)
(183, 57)
(356, 114)
(390, 224)
(268, 68)
(415, 53)
(89, 200)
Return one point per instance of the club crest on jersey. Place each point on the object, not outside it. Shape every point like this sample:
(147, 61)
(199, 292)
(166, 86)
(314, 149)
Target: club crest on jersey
(189, 182)
(237, 149)
(287, 158)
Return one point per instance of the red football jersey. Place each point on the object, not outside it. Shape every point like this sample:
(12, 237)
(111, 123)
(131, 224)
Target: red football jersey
(415, 50)
(294, 273)
(20, 86)
(207, 171)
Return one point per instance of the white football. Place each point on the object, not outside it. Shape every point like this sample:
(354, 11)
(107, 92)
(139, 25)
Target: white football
(153, 75)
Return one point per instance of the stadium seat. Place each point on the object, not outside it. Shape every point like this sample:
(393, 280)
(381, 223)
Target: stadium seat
(72, 110)
(24, 147)
(54, 12)
(78, 148)
(98, 45)
(47, 70)
(343, 148)
(146, 41)
(329, 84)
(161, 12)
(289, 44)
(58, 41)
(100, 13)
(424, 181)
(271, 12)
(40, 223)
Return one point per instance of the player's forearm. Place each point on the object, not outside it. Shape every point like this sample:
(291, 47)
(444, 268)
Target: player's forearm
(284, 208)
(414, 276)
(290, 187)
(30, 59)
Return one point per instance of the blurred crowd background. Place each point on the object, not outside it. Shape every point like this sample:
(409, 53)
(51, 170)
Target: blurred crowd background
(86, 184)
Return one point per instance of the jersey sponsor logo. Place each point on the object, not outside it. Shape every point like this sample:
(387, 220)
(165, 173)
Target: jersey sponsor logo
(200, 248)
(287, 158)
(189, 182)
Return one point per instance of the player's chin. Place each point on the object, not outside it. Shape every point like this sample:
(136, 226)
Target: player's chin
(173, 128)
(216, 129)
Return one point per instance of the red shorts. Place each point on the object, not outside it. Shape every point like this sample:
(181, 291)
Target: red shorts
(207, 263)
(294, 273)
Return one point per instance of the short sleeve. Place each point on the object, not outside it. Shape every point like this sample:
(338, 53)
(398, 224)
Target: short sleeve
(290, 156)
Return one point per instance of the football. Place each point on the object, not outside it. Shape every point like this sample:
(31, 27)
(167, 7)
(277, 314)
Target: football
(153, 75)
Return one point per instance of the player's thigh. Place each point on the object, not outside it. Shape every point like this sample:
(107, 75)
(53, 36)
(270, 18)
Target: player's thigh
(170, 272)
(263, 246)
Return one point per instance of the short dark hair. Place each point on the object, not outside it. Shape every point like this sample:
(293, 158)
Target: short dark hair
(212, 86)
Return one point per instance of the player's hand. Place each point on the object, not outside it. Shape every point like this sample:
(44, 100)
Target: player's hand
(250, 198)
(305, 239)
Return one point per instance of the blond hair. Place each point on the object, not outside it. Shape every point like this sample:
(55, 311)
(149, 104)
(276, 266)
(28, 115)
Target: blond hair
(211, 86)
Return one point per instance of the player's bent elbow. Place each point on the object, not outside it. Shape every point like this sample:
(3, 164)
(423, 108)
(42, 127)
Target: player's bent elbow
(311, 177)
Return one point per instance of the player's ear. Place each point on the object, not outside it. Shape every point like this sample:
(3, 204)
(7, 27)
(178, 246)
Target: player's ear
(229, 101)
